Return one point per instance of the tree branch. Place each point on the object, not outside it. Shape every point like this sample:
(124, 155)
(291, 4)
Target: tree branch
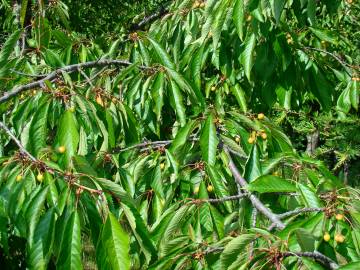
(41, 163)
(148, 19)
(219, 200)
(18, 143)
(317, 256)
(141, 145)
(254, 200)
(342, 62)
(300, 210)
(69, 69)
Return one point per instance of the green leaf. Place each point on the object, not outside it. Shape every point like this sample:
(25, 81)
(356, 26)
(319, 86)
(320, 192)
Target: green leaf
(68, 136)
(321, 88)
(350, 266)
(238, 17)
(33, 212)
(164, 57)
(305, 239)
(70, 250)
(239, 94)
(140, 230)
(234, 248)
(8, 47)
(182, 137)
(195, 94)
(270, 183)
(209, 141)
(219, 184)
(309, 196)
(325, 35)
(158, 94)
(130, 125)
(277, 8)
(247, 55)
(38, 130)
(113, 247)
(43, 238)
(178, 103)
(253, 167)
(311, 11)
(53, 59)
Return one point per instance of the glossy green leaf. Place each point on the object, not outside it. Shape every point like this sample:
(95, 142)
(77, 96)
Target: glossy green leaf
(113, 247)
(38, 130)
(68, 136)
(70, 250)
(253, 167)
(270, 183)
(247, 55)
(209, 141)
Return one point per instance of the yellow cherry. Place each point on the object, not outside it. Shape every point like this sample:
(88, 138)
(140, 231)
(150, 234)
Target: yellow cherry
(19, 178)
(237, 139)
(61, 149)
(210, 188)
(196, 190)
(251, 140)
(40, 177)
(327, 237)
(162, 166)
(263, 135)
(339, 238)
(261, 116)
(339, 216)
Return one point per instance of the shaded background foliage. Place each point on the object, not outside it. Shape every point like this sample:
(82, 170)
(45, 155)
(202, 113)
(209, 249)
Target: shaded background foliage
(147, 134)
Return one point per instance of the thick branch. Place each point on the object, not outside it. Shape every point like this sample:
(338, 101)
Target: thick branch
(69, 69)
(317, 256)
(254, 200)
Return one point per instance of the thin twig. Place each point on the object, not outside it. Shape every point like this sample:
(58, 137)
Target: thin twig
(212, 250)
(141, 145)
(219, 200)
(41, 163)
(317, 256)
(69, 69)
(18, 143)
(148, 19)
(342, 62)
(254, 200)
(145, 144)
(300, 210)
(28, 74)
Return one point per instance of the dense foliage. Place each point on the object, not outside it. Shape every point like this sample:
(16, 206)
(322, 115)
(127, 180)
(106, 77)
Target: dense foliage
(222, 135)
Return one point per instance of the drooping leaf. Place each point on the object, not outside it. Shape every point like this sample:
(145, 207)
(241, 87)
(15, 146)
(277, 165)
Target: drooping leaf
(38, 130)
(253, 167)
(68, 136)
(178, 103)
(247, 55)
(209, 141)
(113, 247)
(8, 47)
(70, 250)
(234, 248)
